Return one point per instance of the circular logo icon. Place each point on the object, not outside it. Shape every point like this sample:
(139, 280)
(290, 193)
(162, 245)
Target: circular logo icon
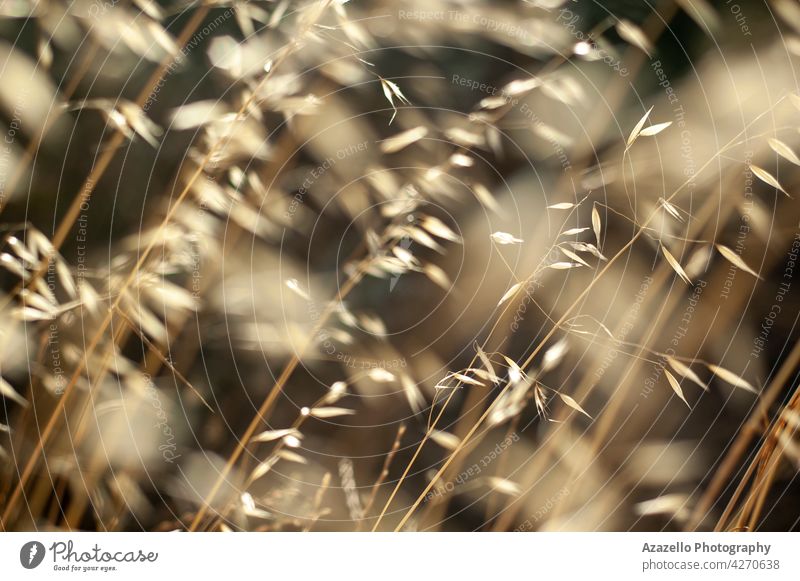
(31, 554)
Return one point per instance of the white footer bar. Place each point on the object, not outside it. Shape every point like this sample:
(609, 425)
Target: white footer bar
(387, 556)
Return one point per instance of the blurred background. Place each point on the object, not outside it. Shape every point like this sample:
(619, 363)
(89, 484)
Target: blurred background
(377, 265)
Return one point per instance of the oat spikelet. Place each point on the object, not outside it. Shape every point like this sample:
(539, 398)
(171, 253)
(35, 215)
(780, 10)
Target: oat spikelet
(504, 238)
(637, 129)
(784, 151)
(634, 35)
(402, 140)
(675, 265)
(391, 91)
(509, 293)
(767, 178)
(676, 387)
(596, 224)
(686, 371)
(654, 129)
(573, 404)
(736, 260)
(445, 439)
(730, 377)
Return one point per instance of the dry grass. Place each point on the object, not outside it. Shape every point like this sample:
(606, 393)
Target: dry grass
(332, 265)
